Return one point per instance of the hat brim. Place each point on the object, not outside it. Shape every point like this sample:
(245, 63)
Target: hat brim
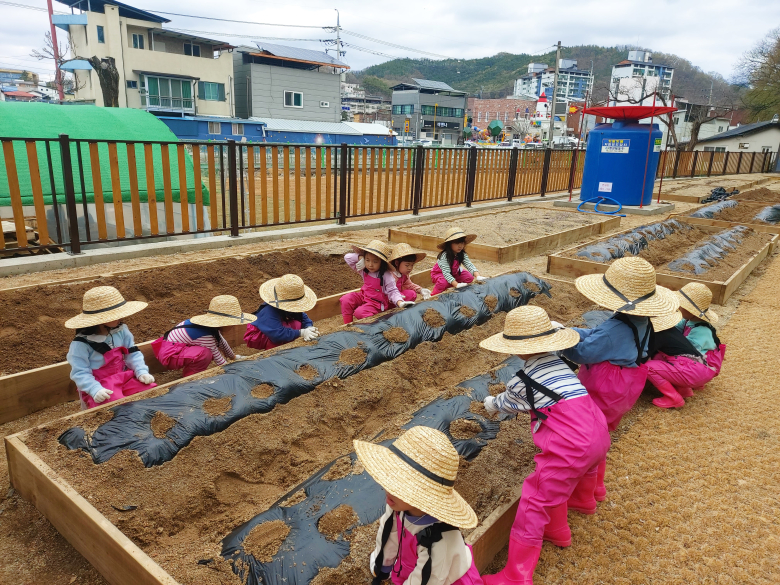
(468, 237)
(298, 306)
(398, 478)
(561, 339)
(89, 320)
(378, 253)
(709, 315)
(662, 302)
(417, 256)
(665, 322)
(209, 320)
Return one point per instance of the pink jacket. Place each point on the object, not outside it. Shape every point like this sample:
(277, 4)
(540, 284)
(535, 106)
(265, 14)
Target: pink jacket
(388, 280)
(405, 283)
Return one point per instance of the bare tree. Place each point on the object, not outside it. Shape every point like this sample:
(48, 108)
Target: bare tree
(760, 70)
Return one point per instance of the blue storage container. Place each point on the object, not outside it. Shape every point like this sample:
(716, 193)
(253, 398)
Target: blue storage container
(615, 162)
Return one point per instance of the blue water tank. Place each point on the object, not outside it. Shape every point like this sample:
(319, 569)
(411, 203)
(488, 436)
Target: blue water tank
(615, 162)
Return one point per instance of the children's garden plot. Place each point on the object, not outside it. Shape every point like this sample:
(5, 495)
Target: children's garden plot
(696, 190)
(681, 253)
(183, 466)
(762, 217)
(506, 236)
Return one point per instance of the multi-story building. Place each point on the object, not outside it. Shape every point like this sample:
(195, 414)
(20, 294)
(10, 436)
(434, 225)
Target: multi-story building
(277, 81)
(161, 71)
(433, 109)
(505, 110)
(358, 106)
(573, 83)
(637, 78)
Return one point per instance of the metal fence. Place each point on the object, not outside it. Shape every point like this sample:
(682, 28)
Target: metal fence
(67, 193)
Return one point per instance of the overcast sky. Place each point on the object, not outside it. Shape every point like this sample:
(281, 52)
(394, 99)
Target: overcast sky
(712, 34)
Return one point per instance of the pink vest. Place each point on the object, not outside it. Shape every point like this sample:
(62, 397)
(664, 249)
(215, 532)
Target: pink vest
(372, 291)
(454, 269)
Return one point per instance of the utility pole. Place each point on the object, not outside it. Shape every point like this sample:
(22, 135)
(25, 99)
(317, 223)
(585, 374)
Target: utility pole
(56, 49)
(555, 91)
(339, 52)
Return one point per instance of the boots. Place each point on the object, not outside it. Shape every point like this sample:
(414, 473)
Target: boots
(686, 392)
(600, 493)
(558, 531)
(583, 499)
(520, 565)
(671, 398)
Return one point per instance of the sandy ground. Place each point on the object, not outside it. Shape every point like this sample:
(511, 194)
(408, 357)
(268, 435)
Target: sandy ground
(31, 551)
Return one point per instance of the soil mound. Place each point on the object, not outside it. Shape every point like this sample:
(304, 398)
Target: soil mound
(265, 539)
(217, 406)
(396, 335)
(433, 318)
(352, 356)
(307, 372)
(761, 194)
(262, 391)
(161, 424)
(335, 522)
(491, 303)
(566, 305)
(464, 428)
(467, 311)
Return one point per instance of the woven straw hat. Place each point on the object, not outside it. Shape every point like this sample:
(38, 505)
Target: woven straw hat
(403, 249)
(628, 287)
(378, 248)
(528, 330)
(224, 310)
(665, 322)
(420, 468)
(455, 233)
(288, 293)
(103, 304)
(695, 298)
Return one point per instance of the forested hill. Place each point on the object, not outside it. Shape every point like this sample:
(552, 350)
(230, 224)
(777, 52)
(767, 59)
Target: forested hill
(494, 76)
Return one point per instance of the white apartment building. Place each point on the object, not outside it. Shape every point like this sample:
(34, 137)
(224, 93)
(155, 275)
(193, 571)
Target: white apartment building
(573, 83)
(161, 71)
(637, 78)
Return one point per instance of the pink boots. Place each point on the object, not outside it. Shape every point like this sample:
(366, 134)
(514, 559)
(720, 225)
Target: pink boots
(600, 492)
(520, 565)
(671, 397)
(583, 498)
(558, 531)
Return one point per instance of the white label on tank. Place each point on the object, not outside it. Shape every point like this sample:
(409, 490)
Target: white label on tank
(605, 187)
(657, 147)
(615, 145)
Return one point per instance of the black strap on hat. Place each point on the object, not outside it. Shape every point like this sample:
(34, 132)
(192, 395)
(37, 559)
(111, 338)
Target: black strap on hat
(240, 319)
(104, 310)
(521, 337)
(690, 300)
(630, 305)
(419, 468)
(277, 300)
(376, 252)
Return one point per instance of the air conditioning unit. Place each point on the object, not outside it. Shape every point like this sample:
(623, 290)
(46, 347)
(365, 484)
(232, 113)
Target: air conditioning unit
(324, 104)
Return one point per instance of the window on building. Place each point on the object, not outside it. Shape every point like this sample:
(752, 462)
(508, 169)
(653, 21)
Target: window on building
(101, 35)
(293, 99)
(215, 128)
(407, 109)
(167, 93)
(720, 129)
(132, 84)
(192, 50)
(238, 129)
(212, 92)
(138, 41)
(441, 111)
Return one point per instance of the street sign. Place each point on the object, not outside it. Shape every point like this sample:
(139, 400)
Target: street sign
(345, 108)
(406, 126)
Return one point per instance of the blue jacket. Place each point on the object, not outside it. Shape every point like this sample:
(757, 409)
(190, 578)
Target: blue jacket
(612, 341)
(270, 319)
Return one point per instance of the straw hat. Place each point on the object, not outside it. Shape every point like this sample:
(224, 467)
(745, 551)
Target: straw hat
(103, 304)
(455, 233)
(378, 248)
(288, 293)
(224, 310)
(628, 287)
(665, 322)
(403, 249)
(420, 468)
(695, 298)
(528, 330)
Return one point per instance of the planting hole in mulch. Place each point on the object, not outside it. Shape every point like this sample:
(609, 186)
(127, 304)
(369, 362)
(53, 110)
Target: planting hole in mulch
(513, 292)
(496, 389)
(352, 356)
(91, 423)
(335, 522)
(294, 499)
(396, 335)
(339, 470)
(217, 406)
(161, 424)
(307, 372)
(262, 391)
(433, 318)
(467, 311)
(478, 407)
(491, 302)
(265, 539)
(464, 428)
(531, 286)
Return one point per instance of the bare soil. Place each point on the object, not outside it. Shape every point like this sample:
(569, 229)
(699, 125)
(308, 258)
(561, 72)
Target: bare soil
(262, 391)
(161, 424)
(335, 522)
(743, 212)
(396, 335)
(340, 469)
(307, 372)
(174, 293)
(491, 302)
(566, 305)
(264, 540)
(217, 406)
(433, 318)
(352, 356)
(761, 194)
(467, 311)
(464, 429)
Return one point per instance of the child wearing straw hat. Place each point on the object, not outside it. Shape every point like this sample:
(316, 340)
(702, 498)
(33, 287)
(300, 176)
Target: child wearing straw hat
(567, 426)
(687, 354)
(282, 317)
(379, 291)
(453, 266)
(613, 355)
(194, 342)
(402, 261)
(418, 542)
(104, 362)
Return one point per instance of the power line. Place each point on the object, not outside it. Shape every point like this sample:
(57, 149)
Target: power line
(357, 48)
(224, 34)
(238, 21)
(27, 6)
(381, 42)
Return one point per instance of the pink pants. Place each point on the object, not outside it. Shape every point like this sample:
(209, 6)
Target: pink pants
(440, 283)
(613, 388)
(677, 371)
(408, 294)
(408, 562)
(256, 339)
(573, 440)
(114, 375)
(175, 356)
(356, 305)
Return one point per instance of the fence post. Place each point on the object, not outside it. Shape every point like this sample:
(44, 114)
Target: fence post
(739, 163)
(471, 175)
(233, 188)
(693, 165)
(574, 154)
(70, 195)
(725, 163)
(545, 171)
(752, 160)
(510, 186)
(343, 178)
(676, 163)
(709, 167)
(419, 164)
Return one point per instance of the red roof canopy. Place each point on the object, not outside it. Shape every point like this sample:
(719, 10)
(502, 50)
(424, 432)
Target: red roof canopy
(629, 112)
(20, 94)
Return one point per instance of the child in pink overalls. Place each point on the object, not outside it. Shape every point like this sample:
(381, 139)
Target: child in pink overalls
(688, 353)
(379, 291)
(418, 542)
(453, 267)
(105, 363)
(402, 262)
(566, 425)
(613, 355)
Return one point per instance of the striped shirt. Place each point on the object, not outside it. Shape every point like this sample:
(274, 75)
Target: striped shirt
(550, 371)
(219, 348)
(447, 272)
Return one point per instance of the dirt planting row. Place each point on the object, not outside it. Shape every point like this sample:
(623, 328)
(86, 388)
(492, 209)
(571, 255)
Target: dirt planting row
(761, 194)
(744, 212)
